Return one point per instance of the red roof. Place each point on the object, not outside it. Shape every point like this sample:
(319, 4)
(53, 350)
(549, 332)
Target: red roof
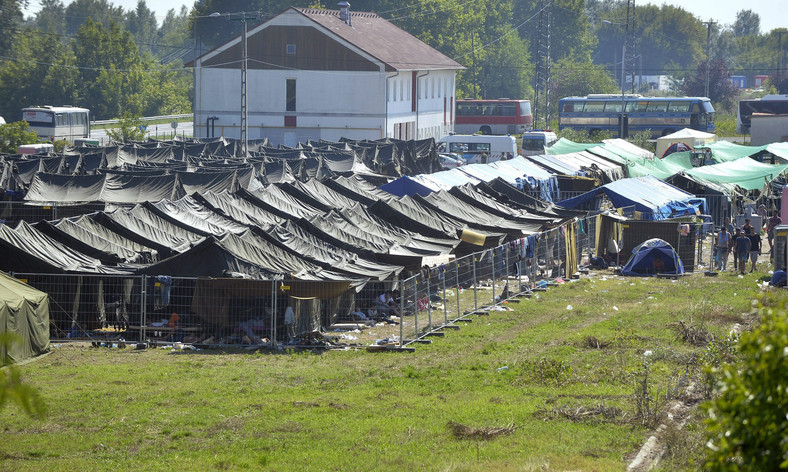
(383, 40)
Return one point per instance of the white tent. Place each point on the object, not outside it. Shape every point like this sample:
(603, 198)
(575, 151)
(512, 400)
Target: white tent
(690, 137)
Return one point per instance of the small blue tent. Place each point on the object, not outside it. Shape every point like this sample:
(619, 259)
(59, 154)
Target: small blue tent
(642, 261)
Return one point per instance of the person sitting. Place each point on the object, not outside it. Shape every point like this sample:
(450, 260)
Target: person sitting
(659, 265)
(386, 304)
(177, 330)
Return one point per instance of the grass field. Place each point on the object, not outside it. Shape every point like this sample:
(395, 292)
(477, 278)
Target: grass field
(541, 387)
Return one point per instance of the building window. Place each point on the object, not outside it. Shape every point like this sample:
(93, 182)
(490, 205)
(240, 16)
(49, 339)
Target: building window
(291, 49)
(291, 95)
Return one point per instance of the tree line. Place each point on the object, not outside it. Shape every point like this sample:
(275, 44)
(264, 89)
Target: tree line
(96, 55)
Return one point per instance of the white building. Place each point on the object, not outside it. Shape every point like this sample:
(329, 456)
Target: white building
(326, 74)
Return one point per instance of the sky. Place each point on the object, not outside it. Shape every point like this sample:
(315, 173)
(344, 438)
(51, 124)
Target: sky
(722, 11)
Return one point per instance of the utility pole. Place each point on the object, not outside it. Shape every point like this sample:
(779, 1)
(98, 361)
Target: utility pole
(244, 63)
(542, 79)
(708, 55)
(473, 59)
(630, 38)
(780, 62)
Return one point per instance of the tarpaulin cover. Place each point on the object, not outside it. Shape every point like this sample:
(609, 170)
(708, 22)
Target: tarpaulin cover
(91, 225)
(110, 188)
(273, 199)
(515, 198)
(476, 217)
(90, 245)
(745, 172)
(308, 245)
(641, 262)
(165, 242)
(470, 196)
(566, 146)
(26, 247)
(724, 151)
(24, 311)
(406, 186)
(189, 213)
(239, 209)
(654, 198)
(661, 168)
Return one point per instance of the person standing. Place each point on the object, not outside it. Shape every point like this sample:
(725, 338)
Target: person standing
(735, 234)
(774, 222)
(747, 228)
(721, 247)
(755, 248)
(742, 252)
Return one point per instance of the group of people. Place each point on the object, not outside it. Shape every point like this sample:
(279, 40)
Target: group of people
(381, 309)
(745, 243)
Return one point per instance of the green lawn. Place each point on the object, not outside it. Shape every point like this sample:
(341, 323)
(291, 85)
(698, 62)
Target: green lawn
(541, 387)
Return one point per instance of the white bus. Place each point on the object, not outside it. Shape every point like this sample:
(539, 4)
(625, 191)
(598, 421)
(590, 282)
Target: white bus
(479, 149)
(56, 123)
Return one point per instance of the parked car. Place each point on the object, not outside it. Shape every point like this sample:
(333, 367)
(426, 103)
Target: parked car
(450, 160)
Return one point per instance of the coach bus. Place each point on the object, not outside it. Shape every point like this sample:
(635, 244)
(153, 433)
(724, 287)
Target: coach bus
(56, 123)
(661, 115)
(500, 116)
(771, 104)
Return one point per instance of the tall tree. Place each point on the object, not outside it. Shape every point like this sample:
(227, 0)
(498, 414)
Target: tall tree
(174, 32)
(666, 37)
(51, 17)
(10, 18)
(141, 23)
(721, 90)
(42, 72)
(110, 63)
(100, 11)
(748, 23)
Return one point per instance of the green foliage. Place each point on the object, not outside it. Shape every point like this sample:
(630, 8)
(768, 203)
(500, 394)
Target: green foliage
(642, 139)
(584, 136)
(571, 77)
(13, 135)
(747, 426)
(60, 145)
(42, 74)
(128, 129)
(12, 389)
(721, 90)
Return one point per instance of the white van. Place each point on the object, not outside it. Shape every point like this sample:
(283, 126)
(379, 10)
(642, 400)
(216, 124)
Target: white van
(479, 149)
(534, 142)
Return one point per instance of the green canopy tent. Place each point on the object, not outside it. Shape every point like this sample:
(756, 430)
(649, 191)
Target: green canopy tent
(24, 311)
(745, 172)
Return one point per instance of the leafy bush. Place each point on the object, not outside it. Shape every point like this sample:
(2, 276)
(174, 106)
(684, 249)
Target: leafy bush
(13, 135)
(747, 425)
(12, 389)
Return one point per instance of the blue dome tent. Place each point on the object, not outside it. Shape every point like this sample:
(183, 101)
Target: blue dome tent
(642, 261)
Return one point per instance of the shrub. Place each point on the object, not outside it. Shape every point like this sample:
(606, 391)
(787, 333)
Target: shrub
(747, 426)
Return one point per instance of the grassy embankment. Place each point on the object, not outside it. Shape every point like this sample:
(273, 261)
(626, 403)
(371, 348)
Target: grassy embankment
(540, 387)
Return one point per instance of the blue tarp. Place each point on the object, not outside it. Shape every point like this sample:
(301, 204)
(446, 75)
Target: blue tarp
(515, 171)
(406, 186)
(642, 260)
(655, 199)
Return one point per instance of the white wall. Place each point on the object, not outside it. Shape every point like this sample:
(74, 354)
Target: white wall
(329, 105)
(768, 129)
(435, 95)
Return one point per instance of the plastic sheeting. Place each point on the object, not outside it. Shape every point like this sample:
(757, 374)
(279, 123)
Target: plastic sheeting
(655, 199)
(745, 172)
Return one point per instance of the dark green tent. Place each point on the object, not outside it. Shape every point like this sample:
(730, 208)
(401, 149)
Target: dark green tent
(24, 311)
